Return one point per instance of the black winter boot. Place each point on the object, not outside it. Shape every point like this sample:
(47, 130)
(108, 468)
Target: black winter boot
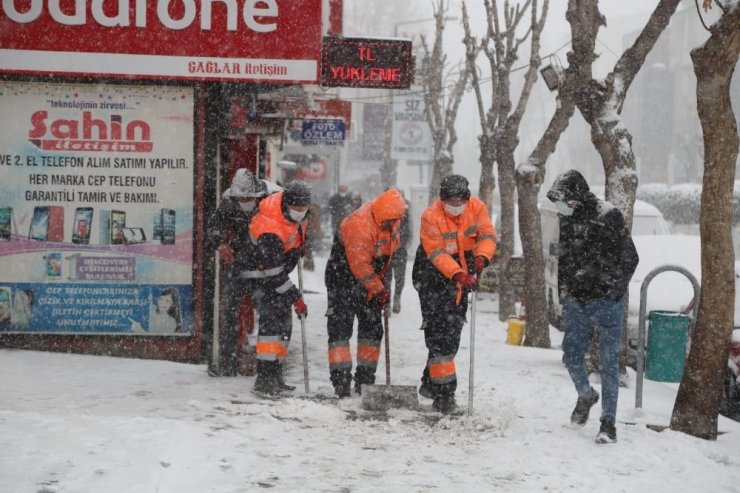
(341, 381)
(607, 432)
(583, 408)
(268, 379)
(445, 404)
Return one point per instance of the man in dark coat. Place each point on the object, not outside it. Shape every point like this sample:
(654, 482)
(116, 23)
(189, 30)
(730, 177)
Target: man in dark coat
(596, 259)
(340, 205)
(228, 233)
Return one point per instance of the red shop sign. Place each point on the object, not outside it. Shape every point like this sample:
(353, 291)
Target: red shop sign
(244, 40)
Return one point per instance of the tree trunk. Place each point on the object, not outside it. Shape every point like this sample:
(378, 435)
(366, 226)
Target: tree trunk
(487, 183)
(507, 187)
(696, 408)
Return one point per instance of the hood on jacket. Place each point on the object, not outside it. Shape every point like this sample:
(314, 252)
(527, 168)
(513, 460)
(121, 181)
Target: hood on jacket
(570, 185)
(388, 206)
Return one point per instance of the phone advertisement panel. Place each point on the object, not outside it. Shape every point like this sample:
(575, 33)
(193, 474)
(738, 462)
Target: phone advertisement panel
(84, 173)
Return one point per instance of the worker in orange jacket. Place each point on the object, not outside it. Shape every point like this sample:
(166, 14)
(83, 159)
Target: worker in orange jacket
(355, 272)
(278, 234)
(457, 243)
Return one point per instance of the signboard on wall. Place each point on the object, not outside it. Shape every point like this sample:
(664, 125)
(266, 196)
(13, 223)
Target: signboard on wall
(366, 63)
(247, 40)
(412, 137)
(374, 123)
(322, 132)
(98, 188)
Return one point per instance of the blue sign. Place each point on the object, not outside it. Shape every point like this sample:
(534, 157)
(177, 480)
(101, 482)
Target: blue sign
(326, 132)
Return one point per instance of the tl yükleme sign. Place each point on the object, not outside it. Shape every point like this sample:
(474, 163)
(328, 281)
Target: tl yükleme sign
(96, 208)
(246, 40)
(367, 63)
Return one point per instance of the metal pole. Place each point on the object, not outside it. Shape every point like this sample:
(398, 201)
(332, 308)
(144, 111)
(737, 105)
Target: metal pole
(304, 343)
(387, 348)
(471, 378)
(215, 348)
(640, 364)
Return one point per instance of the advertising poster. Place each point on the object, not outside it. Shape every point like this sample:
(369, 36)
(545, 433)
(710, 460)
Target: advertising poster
(412, 137)
(96, 208)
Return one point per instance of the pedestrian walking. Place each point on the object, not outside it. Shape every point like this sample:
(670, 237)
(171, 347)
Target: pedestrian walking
(355, 274)
(340, 205)
(278, 235)
(228, 233)
(596, 260)
(457, 242)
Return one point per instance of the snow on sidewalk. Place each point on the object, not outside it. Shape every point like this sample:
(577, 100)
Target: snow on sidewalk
(74, 423)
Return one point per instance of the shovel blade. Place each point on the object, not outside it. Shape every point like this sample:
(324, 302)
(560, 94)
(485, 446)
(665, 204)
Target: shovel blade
(384, 397)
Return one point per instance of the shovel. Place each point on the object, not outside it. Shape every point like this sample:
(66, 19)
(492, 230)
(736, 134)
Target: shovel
(304, 343)
(384, 397)
(471, 378)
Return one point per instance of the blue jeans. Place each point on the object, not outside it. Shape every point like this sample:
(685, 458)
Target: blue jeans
(580, 320)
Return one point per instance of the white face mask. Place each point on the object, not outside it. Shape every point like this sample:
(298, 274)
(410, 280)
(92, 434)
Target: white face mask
(563, 208)
(248, 206)
(455, 210)
(296, 216)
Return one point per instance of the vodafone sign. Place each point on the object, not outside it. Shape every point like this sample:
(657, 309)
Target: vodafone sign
(246, 40)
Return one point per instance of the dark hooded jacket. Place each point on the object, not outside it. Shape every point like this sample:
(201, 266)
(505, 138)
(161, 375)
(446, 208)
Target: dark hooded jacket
(596, 254)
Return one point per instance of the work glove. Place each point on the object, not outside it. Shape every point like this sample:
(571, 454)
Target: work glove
(226, 253)
(383, 297)
(466, 281)
(300, 308)
(480, 263)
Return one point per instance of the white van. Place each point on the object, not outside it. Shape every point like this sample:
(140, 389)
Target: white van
(647, 221)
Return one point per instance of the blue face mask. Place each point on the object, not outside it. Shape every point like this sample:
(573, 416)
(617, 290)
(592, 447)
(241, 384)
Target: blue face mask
(563, 208)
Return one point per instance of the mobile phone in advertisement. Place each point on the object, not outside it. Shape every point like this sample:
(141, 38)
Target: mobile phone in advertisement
(55, 231)
(117, 223)
(6, 215)
(6, 308)
(104, 227)
(157, 226)
(39, 224)
(132, 236)
(168, 227)
(82, 225)
(53, 265)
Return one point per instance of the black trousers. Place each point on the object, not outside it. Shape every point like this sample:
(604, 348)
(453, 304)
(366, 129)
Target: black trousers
(443, 321)
(235, 288)
(343, 306)
(275, 329)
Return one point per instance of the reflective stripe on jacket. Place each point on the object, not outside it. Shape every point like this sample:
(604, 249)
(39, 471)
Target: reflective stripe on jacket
(449, 243)
(279, 242)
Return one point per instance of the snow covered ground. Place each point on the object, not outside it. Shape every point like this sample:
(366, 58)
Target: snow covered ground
(73, 423)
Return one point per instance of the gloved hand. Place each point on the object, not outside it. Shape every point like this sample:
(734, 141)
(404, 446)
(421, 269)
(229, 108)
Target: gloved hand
(383, 297)
(300, 307)
(480, 263)
(226, 253)
(466, 281)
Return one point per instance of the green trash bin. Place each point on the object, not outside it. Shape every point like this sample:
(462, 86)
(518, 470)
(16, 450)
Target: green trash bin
(666, 346)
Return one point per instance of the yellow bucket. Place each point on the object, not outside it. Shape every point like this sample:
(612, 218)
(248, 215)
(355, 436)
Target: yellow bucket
(515, 331)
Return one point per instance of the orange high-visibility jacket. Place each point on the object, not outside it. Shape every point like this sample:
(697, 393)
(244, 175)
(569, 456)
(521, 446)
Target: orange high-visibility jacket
(447, 239)
(278, 245)
(365, 243)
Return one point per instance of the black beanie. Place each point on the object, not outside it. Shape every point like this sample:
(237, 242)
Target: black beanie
(454, 186)
(297, 193)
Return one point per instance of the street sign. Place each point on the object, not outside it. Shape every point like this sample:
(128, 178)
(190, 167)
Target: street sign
(366, 63)
(326, 132)
(412, 137)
